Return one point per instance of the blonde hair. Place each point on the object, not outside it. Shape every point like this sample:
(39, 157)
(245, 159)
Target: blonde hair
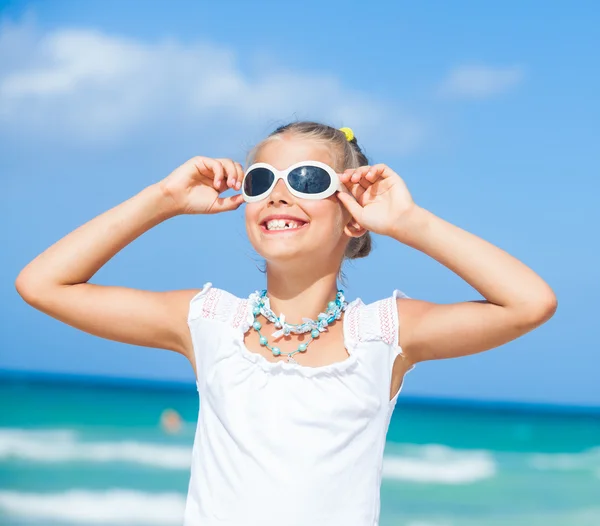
(347, 154)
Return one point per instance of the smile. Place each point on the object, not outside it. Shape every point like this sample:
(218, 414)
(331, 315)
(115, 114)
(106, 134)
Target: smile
(282, 225)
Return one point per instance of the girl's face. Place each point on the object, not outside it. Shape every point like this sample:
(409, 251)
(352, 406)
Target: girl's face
(316, 227)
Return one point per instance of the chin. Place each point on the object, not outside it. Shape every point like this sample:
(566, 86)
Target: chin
(281, 249)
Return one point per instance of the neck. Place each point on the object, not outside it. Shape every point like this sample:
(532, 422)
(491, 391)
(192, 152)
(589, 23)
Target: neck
(300, 294)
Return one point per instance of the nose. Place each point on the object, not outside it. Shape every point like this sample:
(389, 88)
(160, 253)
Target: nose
(280, 194)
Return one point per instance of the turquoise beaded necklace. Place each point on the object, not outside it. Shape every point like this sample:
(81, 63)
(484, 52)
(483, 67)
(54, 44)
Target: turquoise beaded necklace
(260, 305)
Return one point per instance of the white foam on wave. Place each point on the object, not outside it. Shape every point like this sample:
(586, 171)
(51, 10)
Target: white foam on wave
(431, 463)
(87, 507)
(121, 507)
(586, 460)
(436, 463)
(64, 446)
(548, 517)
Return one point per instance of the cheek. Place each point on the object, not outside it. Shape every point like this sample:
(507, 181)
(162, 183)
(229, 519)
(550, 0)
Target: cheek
(327, 213)
(251, 218)
(251, 212)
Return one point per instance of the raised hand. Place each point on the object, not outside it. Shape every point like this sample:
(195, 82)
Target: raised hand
(381, 199)
(196, 185)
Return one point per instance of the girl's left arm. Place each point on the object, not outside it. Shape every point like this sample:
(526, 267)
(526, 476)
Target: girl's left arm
(517, 300)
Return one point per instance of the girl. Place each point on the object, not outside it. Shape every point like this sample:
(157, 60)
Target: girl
(295, 407)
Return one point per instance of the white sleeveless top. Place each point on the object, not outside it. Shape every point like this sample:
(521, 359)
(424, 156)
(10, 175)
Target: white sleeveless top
(282, 444)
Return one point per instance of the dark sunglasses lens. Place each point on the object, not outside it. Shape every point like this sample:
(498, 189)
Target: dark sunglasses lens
(258, 181)
(309, 179)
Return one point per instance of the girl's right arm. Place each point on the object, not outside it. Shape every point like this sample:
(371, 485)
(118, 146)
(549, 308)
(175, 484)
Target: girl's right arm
(56, 281)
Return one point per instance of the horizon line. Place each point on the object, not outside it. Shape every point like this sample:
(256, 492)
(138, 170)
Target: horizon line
(88, 380)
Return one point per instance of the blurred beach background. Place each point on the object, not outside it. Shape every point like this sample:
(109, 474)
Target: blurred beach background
(80, 453)
(488, 111)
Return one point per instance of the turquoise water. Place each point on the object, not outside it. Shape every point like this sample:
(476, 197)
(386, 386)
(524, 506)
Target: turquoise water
(77, 455)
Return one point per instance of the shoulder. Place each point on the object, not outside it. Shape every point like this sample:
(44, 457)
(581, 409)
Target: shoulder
(375, 321)
(212, 303)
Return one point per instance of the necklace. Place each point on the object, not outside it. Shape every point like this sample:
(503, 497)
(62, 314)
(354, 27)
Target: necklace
(260, 305)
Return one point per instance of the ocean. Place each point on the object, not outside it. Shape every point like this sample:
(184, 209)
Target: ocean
(91, 454)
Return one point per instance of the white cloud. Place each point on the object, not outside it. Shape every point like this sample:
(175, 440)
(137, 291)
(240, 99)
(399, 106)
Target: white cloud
(480, 82)
(88, 86)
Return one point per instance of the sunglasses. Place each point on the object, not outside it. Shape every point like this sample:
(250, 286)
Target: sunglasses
(306, 180)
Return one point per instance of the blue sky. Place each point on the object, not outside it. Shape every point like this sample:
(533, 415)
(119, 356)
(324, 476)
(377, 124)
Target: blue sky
(488, 111)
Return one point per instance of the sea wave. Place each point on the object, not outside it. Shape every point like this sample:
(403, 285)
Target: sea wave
(133, 508)
(549, 517)
(432, 463)
(55, 446)
(436, 463)
(89, 507)
(586, 460)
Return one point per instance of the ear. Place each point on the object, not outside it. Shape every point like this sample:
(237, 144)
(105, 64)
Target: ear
(353, 228)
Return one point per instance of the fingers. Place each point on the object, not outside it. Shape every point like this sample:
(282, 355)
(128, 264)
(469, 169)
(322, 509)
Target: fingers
(366, 175)
(351, 205)
(218, 173)
(209, 171)
(226, 204)
(240, 175)
(365, 179)
(204, 167)
(221, 175)
(357, 190)
(377, 171)
(233, 173)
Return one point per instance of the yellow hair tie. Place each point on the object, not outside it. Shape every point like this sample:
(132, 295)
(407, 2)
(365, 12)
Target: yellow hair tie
(348, 133)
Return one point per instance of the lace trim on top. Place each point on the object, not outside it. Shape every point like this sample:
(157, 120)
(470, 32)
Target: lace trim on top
(361, 323)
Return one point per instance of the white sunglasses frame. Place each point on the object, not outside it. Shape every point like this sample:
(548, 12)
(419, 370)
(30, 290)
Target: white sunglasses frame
(336, 184)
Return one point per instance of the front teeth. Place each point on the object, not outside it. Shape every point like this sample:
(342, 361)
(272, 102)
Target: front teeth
(281, 224)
